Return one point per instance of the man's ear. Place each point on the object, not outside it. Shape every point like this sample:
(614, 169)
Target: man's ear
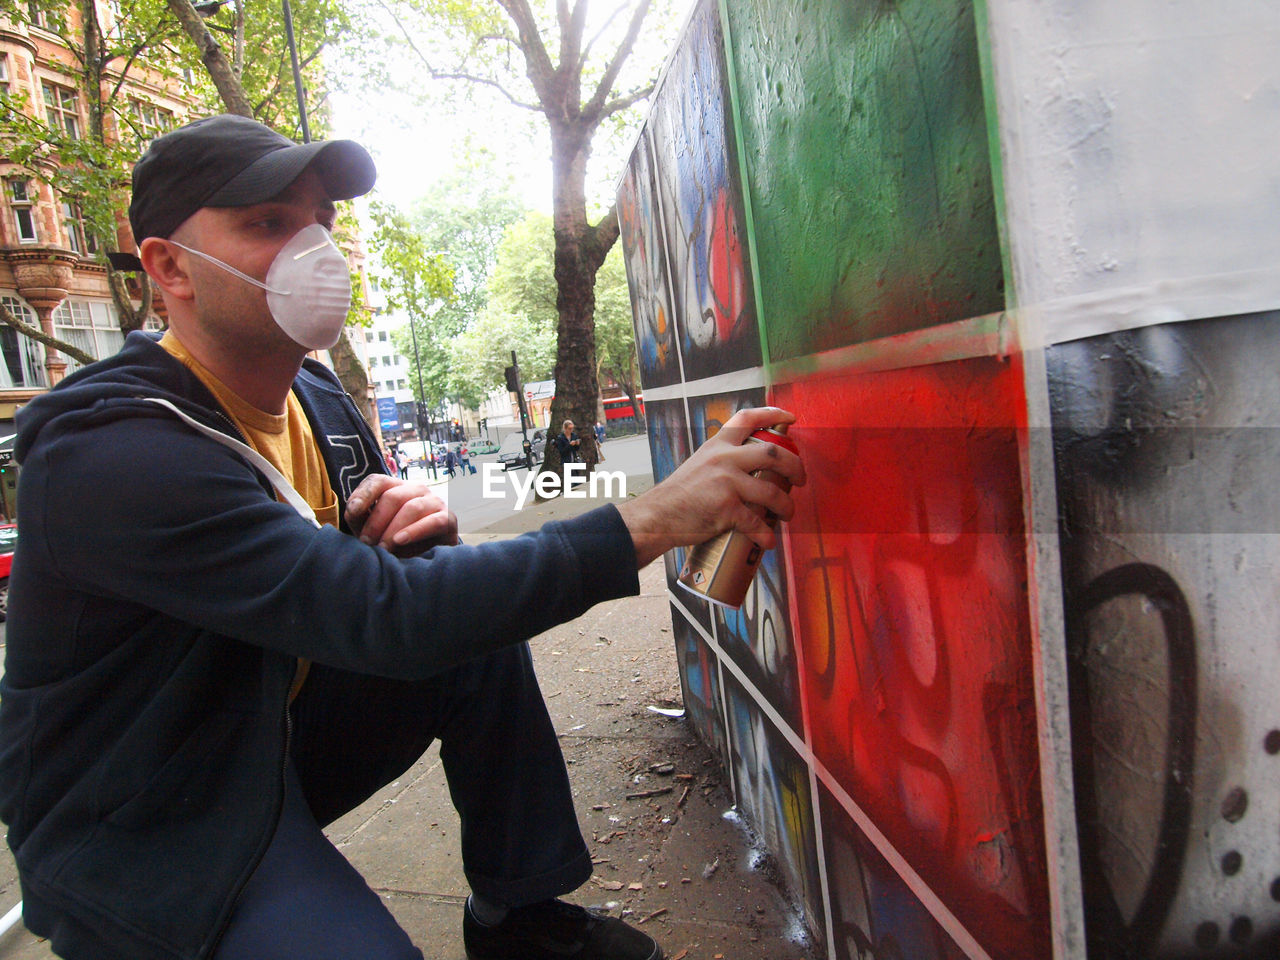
(161, 261)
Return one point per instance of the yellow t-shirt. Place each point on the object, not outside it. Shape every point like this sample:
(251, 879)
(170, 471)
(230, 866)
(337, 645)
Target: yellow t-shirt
(284, 439)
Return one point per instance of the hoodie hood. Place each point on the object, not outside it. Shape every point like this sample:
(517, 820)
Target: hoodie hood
(115, 387)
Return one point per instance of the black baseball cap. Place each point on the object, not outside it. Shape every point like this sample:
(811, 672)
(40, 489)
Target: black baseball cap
(231, 161)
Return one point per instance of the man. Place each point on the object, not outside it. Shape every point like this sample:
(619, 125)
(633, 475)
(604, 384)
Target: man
(228, 626)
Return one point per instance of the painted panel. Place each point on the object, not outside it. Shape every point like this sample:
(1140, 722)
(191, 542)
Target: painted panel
(1167, 439)
(757, 637)
(910, 601)
(1139, 145)
(874, 914)
(645, 254)
(669, 447)
(938, 644)
(701, 203)
(868, 170)
(700, 684)
(771, 784)
(668, 436)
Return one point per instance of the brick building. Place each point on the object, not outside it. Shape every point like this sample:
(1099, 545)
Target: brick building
(51, 273)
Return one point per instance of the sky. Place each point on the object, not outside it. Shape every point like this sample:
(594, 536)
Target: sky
(411, 153)
(413, 145)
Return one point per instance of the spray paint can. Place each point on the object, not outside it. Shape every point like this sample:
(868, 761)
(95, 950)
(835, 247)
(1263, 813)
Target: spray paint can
(722, 569)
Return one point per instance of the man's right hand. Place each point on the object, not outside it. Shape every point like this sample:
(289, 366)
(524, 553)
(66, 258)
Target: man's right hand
(714, 491)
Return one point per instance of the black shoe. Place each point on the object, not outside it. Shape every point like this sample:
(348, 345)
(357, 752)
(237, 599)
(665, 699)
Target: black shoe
(555, 930)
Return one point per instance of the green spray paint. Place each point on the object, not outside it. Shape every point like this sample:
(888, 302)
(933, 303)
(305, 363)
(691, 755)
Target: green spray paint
(864, 140)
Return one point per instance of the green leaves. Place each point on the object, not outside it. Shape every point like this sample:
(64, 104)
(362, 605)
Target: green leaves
(412, 277)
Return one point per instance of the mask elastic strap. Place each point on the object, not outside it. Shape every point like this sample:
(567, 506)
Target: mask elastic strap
(230, 269)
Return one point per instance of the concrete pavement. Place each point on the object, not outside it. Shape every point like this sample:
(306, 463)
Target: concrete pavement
(650, 798)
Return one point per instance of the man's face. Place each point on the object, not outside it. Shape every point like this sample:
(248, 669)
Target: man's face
(248, 238)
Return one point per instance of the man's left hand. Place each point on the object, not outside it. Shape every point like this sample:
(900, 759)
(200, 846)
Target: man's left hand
(402, 516)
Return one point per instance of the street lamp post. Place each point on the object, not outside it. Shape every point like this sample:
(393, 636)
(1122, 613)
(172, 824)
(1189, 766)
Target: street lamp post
(297, 73)
(422, 397)
(207, 8)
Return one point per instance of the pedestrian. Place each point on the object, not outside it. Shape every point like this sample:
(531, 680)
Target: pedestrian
(389, 460)
(567, 442)
(402, 461)
(280, 629)
(450, 461)
(464, 459)
(600, 435)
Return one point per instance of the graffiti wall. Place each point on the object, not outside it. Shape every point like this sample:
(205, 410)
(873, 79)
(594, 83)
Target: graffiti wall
(1004, 690)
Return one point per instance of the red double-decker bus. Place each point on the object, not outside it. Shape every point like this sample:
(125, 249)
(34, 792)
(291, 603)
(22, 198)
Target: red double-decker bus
(620, 408)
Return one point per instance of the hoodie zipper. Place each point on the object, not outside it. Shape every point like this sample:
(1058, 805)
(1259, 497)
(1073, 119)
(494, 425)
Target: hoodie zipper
(233, 901)
(287, 723)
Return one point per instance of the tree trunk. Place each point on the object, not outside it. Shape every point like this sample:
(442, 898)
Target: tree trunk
(628, 384)
(221, 72)
(354, 379)
(131, 318)
(577, 259)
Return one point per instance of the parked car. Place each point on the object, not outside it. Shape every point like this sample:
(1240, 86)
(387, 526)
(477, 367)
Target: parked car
(8, 540)
(481, 445)
(511, 450)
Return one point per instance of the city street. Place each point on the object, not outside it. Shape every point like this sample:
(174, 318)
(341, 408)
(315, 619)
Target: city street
(479, 504)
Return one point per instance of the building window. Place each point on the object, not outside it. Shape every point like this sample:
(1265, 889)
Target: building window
(117, 17)
(368, 336)
(22, 202)
(23, 364)
(91, 325)
(382, 335)
(61, 108)
(400, 385)
(79, 237)
(149, 121)
(4, 73)
(38, 16)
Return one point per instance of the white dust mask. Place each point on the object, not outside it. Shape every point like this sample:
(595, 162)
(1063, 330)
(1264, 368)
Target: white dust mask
(308, 287)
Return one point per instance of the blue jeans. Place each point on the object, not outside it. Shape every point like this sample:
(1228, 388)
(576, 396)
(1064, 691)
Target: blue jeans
(353, 734)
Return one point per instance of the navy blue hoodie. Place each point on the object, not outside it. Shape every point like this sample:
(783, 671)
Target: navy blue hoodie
(159, 599)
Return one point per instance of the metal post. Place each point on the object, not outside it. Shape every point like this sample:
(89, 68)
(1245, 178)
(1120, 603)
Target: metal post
(422, 397)
(524, 417)
(11, 919)
(297, 74)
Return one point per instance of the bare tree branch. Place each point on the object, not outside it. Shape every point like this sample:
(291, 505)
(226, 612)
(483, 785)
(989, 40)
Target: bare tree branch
(626, 100)
(537, 60)
(215, 61)
(132, 318)
(487, 82)
(597, 102)
(601, 237)
(35, 333)
(571, 29)
(586, 50)
(134, 54)
(437, 74)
